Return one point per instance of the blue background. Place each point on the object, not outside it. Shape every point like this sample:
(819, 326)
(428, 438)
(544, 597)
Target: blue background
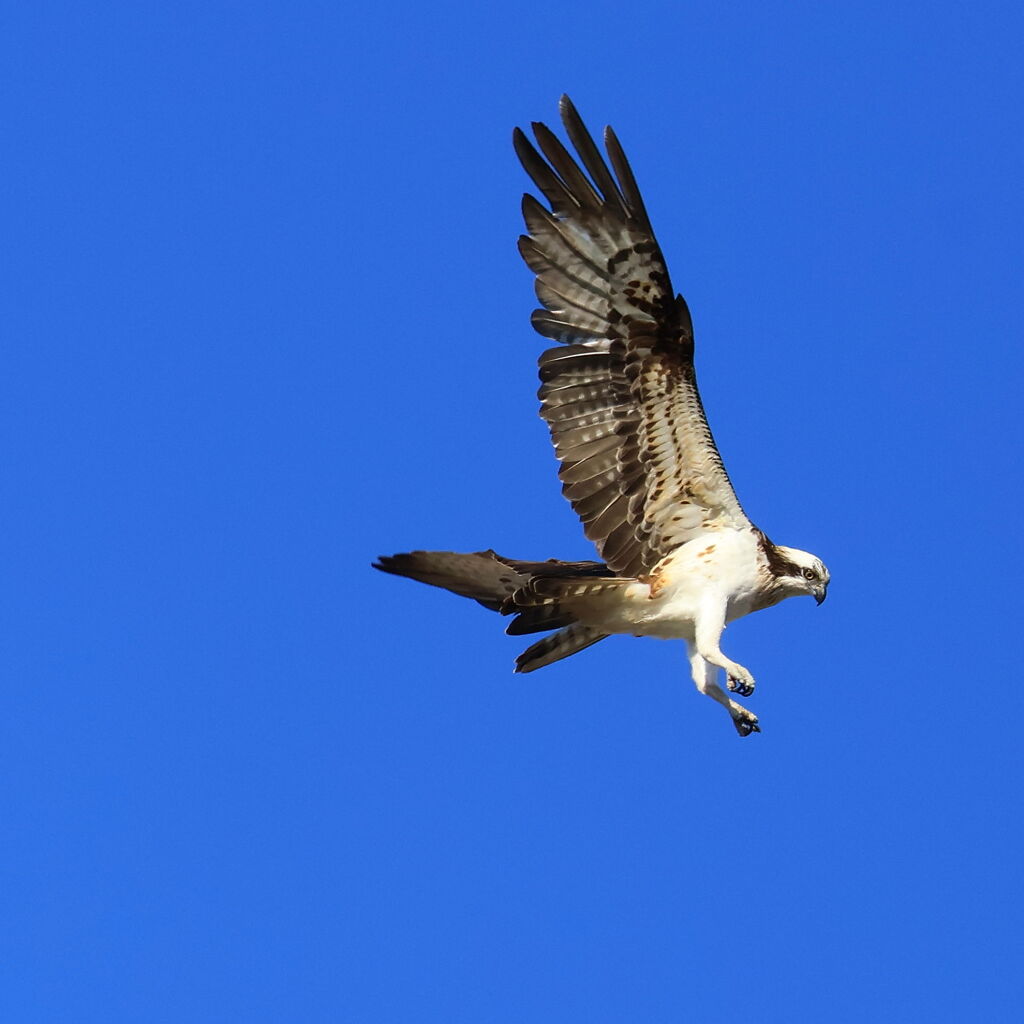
(263, 319)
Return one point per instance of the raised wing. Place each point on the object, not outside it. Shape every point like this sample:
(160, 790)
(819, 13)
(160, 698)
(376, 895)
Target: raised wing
(619, 393)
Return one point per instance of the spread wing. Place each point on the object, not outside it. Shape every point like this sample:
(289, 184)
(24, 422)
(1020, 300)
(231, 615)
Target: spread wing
(618, 393)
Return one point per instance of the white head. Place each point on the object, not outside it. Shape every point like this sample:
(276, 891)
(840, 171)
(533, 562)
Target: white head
(799, 572)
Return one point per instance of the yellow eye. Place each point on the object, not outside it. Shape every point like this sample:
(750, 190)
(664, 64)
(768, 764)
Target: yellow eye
(809, 574)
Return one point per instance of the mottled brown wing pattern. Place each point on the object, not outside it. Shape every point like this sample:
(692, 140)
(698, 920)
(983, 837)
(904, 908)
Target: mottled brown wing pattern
(638, 462)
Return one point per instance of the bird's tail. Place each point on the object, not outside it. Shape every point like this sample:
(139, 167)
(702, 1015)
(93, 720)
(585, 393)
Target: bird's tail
(557, 646)
(502, 584)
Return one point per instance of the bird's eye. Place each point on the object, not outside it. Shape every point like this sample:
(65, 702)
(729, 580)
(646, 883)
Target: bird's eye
(809, 574)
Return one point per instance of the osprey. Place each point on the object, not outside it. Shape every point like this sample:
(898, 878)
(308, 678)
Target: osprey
(680, 558)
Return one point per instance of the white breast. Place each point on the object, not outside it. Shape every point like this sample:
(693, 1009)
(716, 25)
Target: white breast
(723, 561)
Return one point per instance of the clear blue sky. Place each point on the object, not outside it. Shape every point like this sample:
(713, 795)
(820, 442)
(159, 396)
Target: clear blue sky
(264, 320)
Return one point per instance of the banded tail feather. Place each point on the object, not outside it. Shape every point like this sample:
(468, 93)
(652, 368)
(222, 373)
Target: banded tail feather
(480, 575)
(557, 646)
(530, 591)
(544, 590)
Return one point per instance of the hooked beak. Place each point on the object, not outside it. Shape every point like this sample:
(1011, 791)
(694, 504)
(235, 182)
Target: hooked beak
(820, 592)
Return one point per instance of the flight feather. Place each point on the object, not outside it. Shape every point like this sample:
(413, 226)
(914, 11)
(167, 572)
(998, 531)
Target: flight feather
(619, 392)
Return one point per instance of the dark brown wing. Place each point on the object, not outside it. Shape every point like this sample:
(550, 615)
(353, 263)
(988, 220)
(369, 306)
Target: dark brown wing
(619, 393)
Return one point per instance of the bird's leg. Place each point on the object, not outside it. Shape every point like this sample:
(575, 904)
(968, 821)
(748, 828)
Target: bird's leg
(709, 626)
(704, 675)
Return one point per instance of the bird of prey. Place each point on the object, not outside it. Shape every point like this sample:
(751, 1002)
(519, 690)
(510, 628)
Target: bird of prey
(679, 557)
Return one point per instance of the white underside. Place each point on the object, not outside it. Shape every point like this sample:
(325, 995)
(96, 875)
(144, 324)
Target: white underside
(694, 577)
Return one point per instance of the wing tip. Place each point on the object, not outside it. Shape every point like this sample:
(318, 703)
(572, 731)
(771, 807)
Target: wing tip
(392, 563)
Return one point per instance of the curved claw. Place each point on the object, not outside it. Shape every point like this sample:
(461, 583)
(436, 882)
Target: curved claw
(747, 724)
(743, 687)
